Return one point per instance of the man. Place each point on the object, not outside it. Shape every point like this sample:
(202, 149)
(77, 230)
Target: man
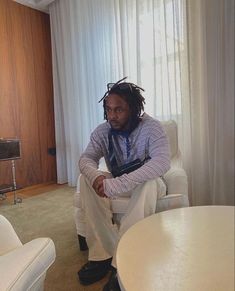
(136, 152)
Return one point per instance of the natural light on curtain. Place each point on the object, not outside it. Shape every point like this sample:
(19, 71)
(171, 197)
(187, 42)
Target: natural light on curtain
(161, 34)
(185, 66)
(101, 41)
(151, 43)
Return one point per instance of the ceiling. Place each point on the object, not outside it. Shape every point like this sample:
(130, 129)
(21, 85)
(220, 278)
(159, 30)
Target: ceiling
(36, 4)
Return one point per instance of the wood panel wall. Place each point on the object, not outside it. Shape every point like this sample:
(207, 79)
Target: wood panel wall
(26, 92)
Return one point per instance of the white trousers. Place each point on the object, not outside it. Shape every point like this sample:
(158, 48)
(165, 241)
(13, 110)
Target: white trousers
(94, 216)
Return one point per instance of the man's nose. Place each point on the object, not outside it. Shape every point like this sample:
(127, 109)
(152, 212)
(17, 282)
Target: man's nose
(112, 115)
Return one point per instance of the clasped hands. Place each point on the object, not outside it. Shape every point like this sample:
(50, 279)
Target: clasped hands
(98, 186)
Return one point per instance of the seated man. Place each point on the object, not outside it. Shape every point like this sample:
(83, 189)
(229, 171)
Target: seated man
(136, 152)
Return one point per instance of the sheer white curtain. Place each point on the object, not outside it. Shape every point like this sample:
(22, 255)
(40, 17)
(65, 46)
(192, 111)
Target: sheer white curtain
(211, 59)
(161, 45)
(96, 42)
(84, 60)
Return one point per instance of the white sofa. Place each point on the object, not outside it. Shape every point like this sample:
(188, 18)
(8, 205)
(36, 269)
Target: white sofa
(175, 178)
(23, 267)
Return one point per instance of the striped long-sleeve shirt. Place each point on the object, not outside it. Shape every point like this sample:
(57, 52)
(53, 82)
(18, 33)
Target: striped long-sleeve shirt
(147, 139)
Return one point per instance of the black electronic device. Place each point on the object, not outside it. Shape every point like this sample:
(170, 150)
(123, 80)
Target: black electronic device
(9, 149)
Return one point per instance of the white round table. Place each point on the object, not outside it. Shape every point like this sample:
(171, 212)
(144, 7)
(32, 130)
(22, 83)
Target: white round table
(184, 249)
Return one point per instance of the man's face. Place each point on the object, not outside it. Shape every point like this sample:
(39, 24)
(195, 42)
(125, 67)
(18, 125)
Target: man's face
(118, 112)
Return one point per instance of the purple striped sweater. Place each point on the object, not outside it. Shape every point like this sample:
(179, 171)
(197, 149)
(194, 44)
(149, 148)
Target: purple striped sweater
(148, 139)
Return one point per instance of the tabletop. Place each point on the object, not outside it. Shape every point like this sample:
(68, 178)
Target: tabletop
(183, 249)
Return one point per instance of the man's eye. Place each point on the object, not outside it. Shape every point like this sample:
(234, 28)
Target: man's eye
(118, 110)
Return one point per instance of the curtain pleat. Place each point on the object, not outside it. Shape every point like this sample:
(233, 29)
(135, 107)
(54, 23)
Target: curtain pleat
(179, 51)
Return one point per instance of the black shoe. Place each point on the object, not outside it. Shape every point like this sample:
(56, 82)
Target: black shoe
(112, 284)
(82, 243)
(94, 271)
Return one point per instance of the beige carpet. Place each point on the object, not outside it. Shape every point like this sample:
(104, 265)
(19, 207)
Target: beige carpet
(51, 215)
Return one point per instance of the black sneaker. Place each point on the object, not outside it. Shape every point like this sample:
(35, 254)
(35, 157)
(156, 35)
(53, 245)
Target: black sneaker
(112, 284)
(94, 271)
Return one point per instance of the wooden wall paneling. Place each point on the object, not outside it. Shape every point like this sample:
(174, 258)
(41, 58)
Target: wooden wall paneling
(26, 93)
(7, 87)
(51, 167)
(25, 82)
(7, 91)
(44, 93)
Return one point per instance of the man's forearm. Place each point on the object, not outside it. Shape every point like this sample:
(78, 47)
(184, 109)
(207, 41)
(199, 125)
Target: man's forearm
(151, 170)
(89, 168)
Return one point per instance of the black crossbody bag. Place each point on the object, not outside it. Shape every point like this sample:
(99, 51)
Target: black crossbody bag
(127, 168)
(118, 171)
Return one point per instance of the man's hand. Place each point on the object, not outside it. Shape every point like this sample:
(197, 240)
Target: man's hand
(98, 186)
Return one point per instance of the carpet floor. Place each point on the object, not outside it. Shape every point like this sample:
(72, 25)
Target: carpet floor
(51, 215)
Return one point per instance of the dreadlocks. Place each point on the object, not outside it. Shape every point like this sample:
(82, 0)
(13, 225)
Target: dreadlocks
(130, 93)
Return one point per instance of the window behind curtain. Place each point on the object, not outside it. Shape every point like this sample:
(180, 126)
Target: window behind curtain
(151, 45)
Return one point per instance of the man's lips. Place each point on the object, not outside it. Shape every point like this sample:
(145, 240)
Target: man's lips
(114, 123)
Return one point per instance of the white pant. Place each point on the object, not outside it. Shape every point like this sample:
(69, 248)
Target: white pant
(94, 216)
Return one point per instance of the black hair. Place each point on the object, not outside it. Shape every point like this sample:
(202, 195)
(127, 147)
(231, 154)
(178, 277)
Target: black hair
(130, 93)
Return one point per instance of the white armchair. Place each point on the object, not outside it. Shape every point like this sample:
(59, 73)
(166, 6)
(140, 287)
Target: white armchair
(175, 178)
(23, 267)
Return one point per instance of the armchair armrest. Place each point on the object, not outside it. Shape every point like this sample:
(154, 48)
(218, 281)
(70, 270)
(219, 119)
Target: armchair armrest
(172, 201)
(26, 264)
(177, 181)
